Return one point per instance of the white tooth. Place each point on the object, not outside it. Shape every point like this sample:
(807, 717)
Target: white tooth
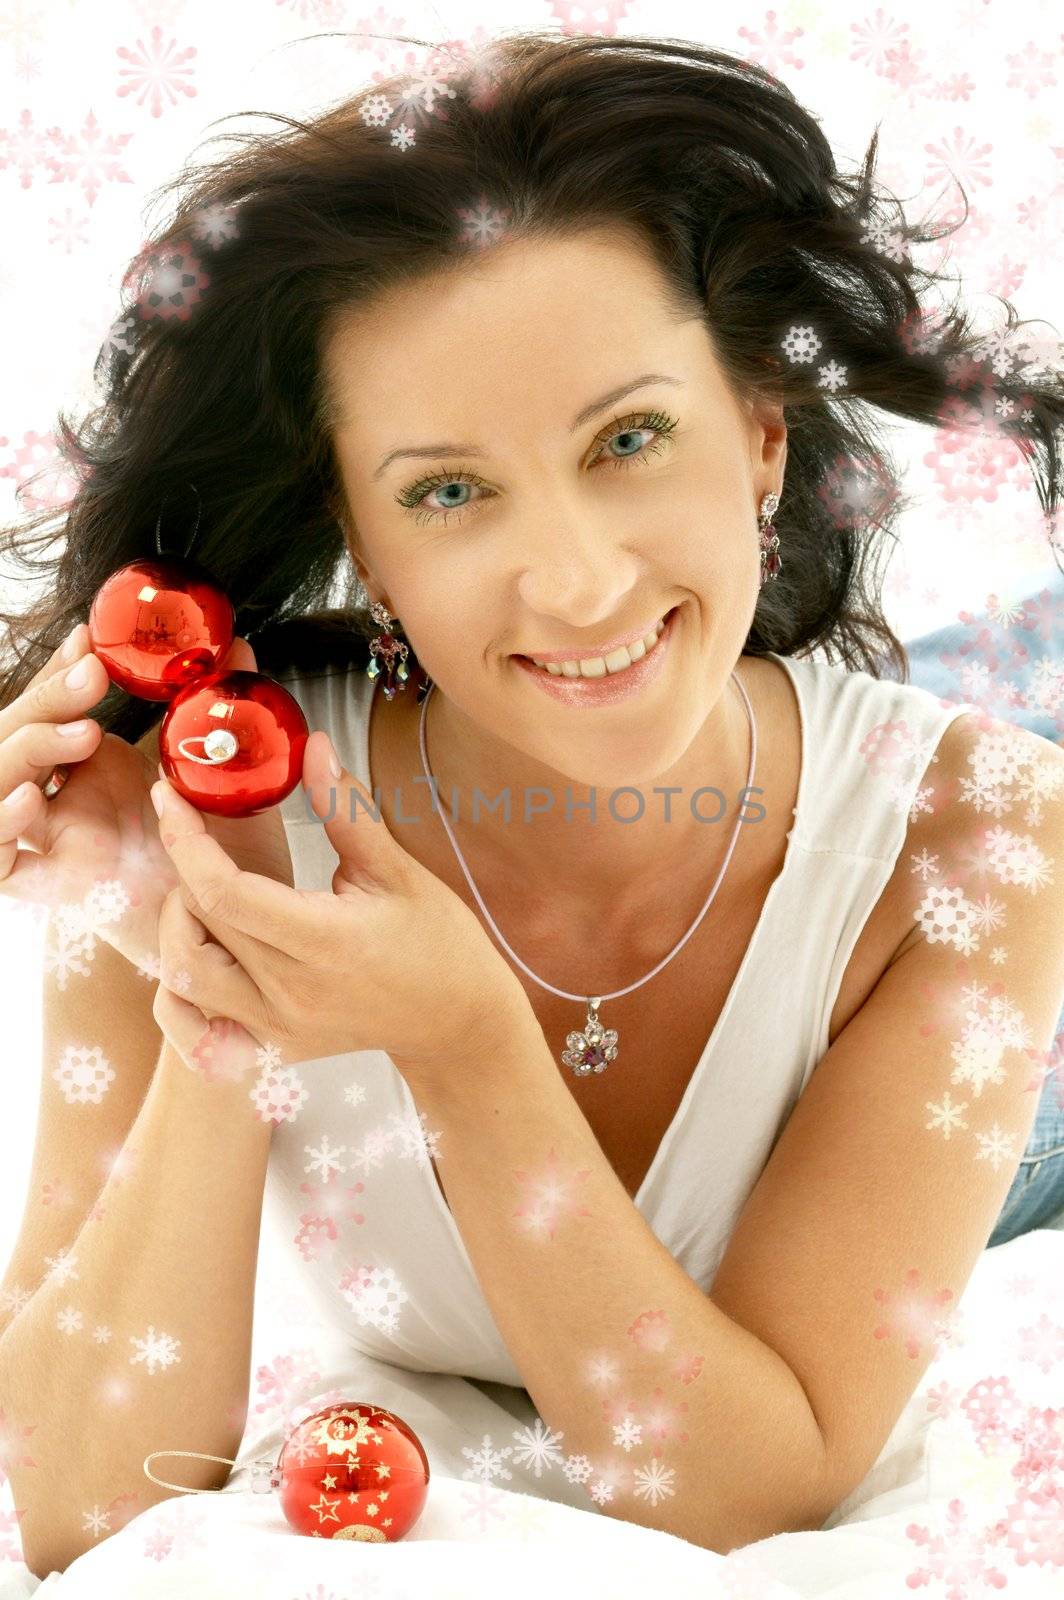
(602, 667)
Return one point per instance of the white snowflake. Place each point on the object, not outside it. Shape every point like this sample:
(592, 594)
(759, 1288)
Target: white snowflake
(832, 376)
(155, 1350)
(102, 1334)
(946, 917)
(627, 1433)
(61, 1267)
(653, 1483)
(800, 344)
(978, 1055)
(402, 137)
(375, 111)
(68, 955)
(995, 1146)
(487, 1461)
(268, 1056)
(946, 1116)
(106, 902)
(279, 1096)
(577, 1469)
(70, 1320)
(413, 1138)
(355, 1094)
(375, 1295)
(324, 1159)
(96, 1521)
(1017, 859)
(537, 1446)
(83, 1075)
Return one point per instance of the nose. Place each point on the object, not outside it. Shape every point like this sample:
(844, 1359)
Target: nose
(577, 574)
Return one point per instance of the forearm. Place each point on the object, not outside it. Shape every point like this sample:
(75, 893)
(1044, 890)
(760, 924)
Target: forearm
(168, 1252)
(623, 1355)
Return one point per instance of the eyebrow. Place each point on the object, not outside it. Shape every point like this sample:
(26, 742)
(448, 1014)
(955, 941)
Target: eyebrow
(583, 416)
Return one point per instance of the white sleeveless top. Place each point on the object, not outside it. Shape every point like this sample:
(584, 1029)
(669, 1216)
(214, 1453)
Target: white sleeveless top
(350, 1187)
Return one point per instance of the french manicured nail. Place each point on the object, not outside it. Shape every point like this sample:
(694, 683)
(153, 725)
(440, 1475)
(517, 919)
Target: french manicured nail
(78, 676)
(333, 761)
(157, 799)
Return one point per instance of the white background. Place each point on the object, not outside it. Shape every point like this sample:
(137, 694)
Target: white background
(974, 87)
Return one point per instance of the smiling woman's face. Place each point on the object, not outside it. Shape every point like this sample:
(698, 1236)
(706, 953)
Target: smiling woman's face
(546, 508)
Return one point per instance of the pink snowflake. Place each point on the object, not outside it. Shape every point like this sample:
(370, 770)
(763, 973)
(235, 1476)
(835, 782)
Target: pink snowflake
(1042, 1343)
(155, 70)
(88, 157)
(955, 1556)
(873, 39)
(912, 1312)
(772, 49)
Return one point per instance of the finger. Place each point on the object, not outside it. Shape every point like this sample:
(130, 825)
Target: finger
(201, 971)
(227, 901)
(31, 745)
(370, 858)
(219, 1050)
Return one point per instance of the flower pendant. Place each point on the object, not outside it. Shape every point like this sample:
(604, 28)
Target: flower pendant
(592, 1050)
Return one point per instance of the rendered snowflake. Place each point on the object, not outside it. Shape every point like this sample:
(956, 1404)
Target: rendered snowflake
(84, 1075)
(279, 1096)
(537, 1446)
(374, 1295)
(156, 1350)
(800, 345)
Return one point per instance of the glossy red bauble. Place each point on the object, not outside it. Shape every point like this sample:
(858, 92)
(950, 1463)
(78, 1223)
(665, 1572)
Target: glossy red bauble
(160, 624)
(231, 743)
(352, 1471)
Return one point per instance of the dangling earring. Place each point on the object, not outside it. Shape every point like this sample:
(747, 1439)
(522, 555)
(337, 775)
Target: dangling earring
(771, 565)
(391, 649)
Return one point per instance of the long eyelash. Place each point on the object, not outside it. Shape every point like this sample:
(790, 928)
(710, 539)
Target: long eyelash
(658, 421)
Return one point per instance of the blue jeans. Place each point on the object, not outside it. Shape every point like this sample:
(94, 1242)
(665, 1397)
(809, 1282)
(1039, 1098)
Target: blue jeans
(1037, 1195)
(1036, 1198)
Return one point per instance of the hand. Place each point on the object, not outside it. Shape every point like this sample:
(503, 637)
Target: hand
(390, 958)
(95, 858)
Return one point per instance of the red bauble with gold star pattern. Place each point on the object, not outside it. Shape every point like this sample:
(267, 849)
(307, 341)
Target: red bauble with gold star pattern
(352, 1471)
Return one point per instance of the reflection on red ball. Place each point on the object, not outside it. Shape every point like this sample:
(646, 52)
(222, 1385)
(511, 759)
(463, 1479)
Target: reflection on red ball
(159, 625)
(232, 743)
(353, 1471)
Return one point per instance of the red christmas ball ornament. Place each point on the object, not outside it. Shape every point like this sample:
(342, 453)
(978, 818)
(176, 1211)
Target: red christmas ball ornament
(159, 624)
(231, 743)
(352, 1471)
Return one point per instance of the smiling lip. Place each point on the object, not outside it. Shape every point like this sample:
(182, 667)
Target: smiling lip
(614, 687)
(558, 657)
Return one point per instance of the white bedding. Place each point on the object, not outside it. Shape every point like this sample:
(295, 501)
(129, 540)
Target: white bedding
(919, 1522)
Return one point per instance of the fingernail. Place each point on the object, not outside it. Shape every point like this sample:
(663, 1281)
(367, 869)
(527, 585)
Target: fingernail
(71, 730)
(157, 799)
(78, 676)
(71, 645)
(332, 761)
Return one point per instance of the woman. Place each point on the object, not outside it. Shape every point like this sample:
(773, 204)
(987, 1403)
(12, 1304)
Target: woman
(617, 274)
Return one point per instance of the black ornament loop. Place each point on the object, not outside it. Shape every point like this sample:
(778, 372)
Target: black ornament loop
(158, 525)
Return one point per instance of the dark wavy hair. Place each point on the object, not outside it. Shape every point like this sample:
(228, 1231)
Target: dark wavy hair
(212, 374)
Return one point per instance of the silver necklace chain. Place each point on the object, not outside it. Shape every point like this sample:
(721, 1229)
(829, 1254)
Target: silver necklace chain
(592, 1049)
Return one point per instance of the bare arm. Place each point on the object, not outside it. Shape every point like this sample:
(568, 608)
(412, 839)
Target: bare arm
(168, 1253)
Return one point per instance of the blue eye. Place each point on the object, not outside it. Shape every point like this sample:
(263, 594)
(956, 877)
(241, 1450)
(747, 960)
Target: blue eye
(621, 427)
